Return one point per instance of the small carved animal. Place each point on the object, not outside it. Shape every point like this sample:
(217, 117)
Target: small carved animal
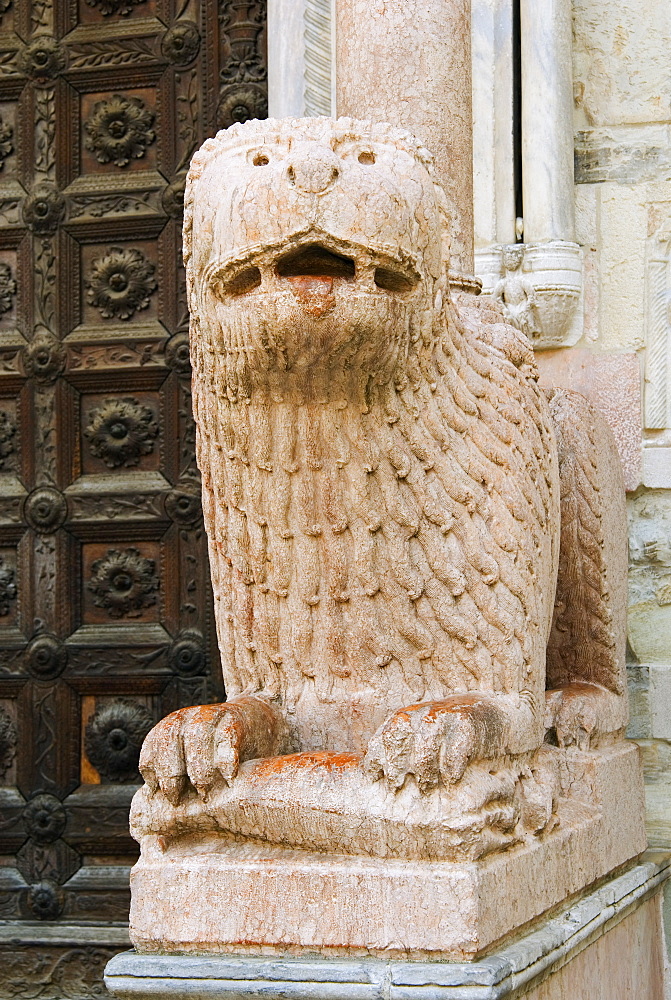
(409, 540)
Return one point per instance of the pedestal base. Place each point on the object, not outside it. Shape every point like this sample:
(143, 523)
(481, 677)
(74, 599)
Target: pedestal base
(608, 945)
(204, 892)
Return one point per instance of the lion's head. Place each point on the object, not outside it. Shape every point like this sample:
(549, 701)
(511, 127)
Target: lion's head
(320, 245)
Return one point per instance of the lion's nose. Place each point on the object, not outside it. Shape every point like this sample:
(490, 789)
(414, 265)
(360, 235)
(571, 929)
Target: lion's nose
(312, 168)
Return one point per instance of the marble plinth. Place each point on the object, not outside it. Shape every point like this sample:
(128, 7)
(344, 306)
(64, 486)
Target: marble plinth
(606, 945)
(203, 892)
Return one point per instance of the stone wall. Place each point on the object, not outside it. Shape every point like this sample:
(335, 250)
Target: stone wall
(622, 91)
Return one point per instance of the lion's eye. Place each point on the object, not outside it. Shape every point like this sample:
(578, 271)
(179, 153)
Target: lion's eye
(367, 157)
(261, 160)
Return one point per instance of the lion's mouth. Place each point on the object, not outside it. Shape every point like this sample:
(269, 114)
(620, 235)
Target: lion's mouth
(314, 265)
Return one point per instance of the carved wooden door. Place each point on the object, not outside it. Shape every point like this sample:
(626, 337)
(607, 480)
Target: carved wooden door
(105, 605)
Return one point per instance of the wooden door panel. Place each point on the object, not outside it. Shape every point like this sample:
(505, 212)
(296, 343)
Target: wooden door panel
(105, 601)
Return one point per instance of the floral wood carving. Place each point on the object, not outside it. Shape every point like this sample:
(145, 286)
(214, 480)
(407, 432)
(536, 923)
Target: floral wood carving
(8, 590)
(46, 657)
(44, 358)
(45, 509)
(119, 130)
(121, 431)
(6, 144)
(120, 283)
(178, 354)
(5, 5)
(43, 59)
(172, 198)
(186, 655)
(45, 899)
(124, 583)
(242, 23)
(114, 737)
(8, 741)
(183, 504)
(240, 102)
(7, 286)
(7, 439)
(181, 44)
(44, 210)
(107, 7)
(44, 818)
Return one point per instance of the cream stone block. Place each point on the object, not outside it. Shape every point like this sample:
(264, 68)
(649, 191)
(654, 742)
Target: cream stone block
(660, 700)
(620, 59)
(623, 229)
(586, 209)
(649, 618)
(612, 383)
(657, 468)
(656, 756)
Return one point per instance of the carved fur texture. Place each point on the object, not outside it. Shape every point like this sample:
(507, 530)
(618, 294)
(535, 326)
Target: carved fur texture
(380, 470)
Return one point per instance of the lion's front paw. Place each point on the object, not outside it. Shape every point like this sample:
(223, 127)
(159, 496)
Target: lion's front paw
(433, 741)
(196, 744)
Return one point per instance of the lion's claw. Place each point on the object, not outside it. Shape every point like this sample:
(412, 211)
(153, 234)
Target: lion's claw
(431, 744)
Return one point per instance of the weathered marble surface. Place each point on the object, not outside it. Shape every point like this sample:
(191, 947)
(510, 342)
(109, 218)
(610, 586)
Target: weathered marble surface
(419, 566)
(408, 62)
(621, 920)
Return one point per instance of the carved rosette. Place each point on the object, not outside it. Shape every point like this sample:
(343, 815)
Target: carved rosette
(114, 737)
(119, 130)
(183, 504)
(46, 657)
(120, 283)
(186, 655)
(178, 354)
(44, 210)
(44, 358)
(7, 286)
(240, 102)
(172, 198)
(43, 59)
(6, 136)
(180, 45)
(124, 583)
(44, 818)
(8, 741)
(45, 899)
(7, 439)
(8, 589)
(45, 510)
(107, 7)
(121, 431)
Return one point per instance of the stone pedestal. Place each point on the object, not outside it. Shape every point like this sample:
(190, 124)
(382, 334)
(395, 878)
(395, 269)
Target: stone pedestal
(204, 892)
(607, 945)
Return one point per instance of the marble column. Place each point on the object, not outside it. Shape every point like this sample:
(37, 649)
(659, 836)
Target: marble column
(493, 167)
(408, 62)
(547, 120)
(300, 58)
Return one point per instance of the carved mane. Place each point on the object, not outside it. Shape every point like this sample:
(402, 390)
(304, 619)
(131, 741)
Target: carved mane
(381, 532)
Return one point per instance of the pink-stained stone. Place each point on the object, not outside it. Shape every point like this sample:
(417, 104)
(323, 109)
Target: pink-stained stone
(612, 382)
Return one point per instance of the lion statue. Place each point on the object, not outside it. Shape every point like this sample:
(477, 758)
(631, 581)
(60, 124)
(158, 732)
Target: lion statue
(418, 555)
